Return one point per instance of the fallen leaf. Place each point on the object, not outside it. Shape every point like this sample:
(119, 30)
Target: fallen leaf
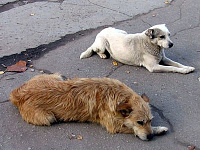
(1, 72)
(153, 15)
(31, 66)
(18, 67)
(115, 63)
(32, 14)
(191, 147)
(166, 2)
(79, 137)
(127, 72)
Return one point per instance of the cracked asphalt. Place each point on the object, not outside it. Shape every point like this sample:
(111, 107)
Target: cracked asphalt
(53, 38)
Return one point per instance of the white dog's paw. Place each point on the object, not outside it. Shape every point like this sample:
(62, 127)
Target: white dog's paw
(103, 56)
(190, 69)
(159, 130)
(187, 69)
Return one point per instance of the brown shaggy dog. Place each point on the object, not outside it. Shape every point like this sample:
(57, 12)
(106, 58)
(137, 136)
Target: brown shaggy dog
(47, 98)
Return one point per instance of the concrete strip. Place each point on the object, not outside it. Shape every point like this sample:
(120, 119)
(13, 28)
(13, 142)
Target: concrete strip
(33, 24)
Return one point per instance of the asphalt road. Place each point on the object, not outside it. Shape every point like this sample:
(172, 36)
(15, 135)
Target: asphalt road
(54, 45)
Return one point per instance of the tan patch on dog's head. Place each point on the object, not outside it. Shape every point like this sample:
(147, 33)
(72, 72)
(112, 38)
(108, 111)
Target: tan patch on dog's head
(137, 116)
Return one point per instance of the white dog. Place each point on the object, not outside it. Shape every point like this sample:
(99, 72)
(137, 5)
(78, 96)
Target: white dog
(141, 49)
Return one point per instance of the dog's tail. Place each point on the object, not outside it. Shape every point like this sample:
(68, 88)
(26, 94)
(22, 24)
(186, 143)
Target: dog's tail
(87, 53)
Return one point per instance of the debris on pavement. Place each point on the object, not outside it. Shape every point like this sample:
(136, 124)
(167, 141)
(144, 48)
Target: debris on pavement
(73, 136)
(79, 137)
(18, 67)
(32, 14)
(166, 2)
(128, 72)
(199, 78)
(191, 147)
(4, 65)
(2, 72)
(115, 63)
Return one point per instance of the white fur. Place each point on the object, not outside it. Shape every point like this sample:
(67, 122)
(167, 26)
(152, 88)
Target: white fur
(136, 49)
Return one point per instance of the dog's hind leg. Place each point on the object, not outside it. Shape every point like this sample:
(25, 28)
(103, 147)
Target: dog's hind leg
(36, 116)
(99, 46)
(87, 53)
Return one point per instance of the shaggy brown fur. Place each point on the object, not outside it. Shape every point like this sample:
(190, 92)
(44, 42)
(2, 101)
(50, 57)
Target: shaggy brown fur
(47, 98)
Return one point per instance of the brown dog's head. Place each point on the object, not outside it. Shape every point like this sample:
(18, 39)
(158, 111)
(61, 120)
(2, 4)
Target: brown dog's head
(137, 116)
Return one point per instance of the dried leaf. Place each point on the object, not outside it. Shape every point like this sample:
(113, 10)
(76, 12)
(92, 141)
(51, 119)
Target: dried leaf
(18, 67)
(191, 147)
(1, 72)
(115, 63)
(31, 66)
(79, 137)
(166, 2)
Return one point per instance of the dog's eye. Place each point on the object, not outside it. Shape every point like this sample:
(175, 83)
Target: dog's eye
(162, 37)
(140, 122)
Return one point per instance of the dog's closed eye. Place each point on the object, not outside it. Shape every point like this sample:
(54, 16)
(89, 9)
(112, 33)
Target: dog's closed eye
(140, 123)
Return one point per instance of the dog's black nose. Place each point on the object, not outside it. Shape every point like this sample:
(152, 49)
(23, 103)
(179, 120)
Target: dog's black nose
(149, 136)
(170, 45)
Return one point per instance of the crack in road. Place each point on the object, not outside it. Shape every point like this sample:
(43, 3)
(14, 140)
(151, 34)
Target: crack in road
(113, 70)
(5, 101)
(109, 8)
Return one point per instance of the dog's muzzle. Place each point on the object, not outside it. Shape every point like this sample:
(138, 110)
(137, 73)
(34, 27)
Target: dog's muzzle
(170, 44)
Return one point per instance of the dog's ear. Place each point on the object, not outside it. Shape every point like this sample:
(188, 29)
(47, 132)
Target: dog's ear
(150, 33)
(145, 97)
(124, 108)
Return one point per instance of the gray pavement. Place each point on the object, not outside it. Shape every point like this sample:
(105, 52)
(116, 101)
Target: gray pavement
(174, 97)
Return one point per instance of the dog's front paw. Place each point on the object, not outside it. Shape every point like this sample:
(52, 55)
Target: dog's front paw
(159, 130)
(190, 69)
(187, 69)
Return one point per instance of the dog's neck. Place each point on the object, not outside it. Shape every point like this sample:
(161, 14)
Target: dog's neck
(152, 49)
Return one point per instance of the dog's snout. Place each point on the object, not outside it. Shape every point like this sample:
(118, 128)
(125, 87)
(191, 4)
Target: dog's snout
(170, 44)
(149, 136)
